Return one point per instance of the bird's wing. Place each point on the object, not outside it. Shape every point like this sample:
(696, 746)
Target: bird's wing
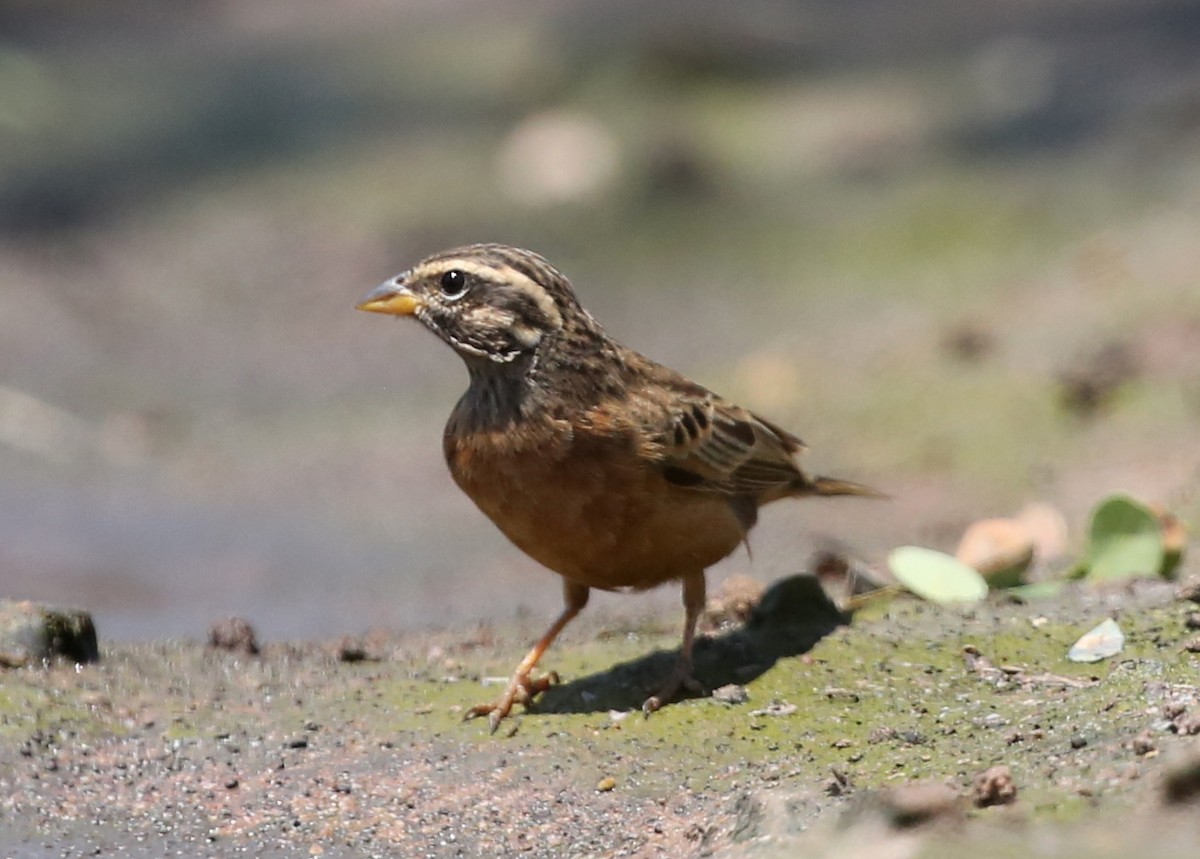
(702, 441)
(713, 444)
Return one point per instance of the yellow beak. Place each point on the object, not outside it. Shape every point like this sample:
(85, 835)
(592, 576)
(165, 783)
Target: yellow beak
(391, 298)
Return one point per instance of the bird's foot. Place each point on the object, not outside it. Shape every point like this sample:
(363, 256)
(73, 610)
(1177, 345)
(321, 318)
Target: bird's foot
(521, 690)
(681, 678)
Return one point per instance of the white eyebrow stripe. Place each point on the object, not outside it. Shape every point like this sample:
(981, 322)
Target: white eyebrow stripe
(504, 273)
(538, 295)
(463, 264)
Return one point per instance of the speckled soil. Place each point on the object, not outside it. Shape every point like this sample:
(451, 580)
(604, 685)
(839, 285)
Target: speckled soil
(358, 748)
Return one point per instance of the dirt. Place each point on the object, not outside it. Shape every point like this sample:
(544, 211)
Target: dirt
(359, 748)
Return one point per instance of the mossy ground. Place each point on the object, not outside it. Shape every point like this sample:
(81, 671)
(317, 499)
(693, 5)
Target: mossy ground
(297, 747)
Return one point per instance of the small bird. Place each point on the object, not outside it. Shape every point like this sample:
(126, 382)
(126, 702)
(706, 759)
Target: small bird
(612, 470)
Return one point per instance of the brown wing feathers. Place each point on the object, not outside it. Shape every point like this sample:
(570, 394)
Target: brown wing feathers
(716, 446)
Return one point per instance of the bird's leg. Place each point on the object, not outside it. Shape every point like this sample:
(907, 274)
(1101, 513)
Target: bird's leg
(681, 677)
(521, 688)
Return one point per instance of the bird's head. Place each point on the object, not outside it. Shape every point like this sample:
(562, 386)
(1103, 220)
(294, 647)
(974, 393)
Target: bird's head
(491, 303)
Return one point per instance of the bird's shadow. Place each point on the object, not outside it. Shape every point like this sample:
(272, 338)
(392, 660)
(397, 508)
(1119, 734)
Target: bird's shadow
(792, 616)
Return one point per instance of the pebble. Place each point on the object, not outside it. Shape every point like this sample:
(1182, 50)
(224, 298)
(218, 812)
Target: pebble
(234, 634)
(994, 786)
(731, 694)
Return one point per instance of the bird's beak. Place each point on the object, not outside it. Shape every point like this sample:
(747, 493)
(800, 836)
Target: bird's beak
(391, 297)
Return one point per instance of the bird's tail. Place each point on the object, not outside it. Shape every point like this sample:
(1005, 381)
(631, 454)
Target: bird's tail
(833, 486)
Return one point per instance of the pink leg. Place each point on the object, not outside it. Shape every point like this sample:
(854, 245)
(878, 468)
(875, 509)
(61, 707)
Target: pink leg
(521, 688)
(681, 677)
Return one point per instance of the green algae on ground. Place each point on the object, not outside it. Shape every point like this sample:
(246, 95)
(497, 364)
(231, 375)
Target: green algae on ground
(912, 692)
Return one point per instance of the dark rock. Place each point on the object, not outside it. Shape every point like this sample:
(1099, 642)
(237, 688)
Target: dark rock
(30, 633)
(914, 804)
(235, 634)
(352, 650)
(1092, 382)
(1181, 781)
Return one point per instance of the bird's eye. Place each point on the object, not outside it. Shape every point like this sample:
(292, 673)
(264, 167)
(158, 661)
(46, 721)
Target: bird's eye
(453, 283)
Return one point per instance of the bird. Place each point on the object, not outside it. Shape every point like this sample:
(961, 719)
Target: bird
(614, 471)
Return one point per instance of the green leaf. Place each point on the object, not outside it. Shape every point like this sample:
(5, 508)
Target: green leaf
(1125, 540)
(1036, 591)
(936, 576)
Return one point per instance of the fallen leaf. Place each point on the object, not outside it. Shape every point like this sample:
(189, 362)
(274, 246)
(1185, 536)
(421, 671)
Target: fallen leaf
(936, 576)
(1100, 642)
(999, 549)
(1125, 540)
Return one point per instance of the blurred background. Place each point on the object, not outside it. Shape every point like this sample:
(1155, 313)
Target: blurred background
(955, 246)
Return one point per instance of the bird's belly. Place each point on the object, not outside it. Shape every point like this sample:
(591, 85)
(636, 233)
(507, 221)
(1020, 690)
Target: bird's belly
(616, 525)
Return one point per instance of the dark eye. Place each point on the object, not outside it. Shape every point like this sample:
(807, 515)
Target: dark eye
(453, 283)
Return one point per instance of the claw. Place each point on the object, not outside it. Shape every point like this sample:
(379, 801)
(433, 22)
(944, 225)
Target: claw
(681, 679)
(521, 690)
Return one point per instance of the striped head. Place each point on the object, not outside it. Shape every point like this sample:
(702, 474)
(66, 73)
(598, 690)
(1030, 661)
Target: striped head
(491, 303)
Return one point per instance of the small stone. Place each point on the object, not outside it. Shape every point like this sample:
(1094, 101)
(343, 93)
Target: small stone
(994, 786)
(1189, 591)
(1143, 743)
(234, 634)
(1187, 725)
(839, 783)
(836, 693)
(297, 742)
(731, 694)
(1192, 621)
(732, 605)
(882, 734)
(606, 784)
(993, 721)
(776, 708)
(231, 783)
(1078, 741)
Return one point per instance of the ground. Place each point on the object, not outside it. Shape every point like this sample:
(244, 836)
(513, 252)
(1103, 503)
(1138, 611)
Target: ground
(359, 748)
(950, 245)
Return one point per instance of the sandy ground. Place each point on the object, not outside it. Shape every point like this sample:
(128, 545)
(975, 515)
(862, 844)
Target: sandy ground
(873, 734)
